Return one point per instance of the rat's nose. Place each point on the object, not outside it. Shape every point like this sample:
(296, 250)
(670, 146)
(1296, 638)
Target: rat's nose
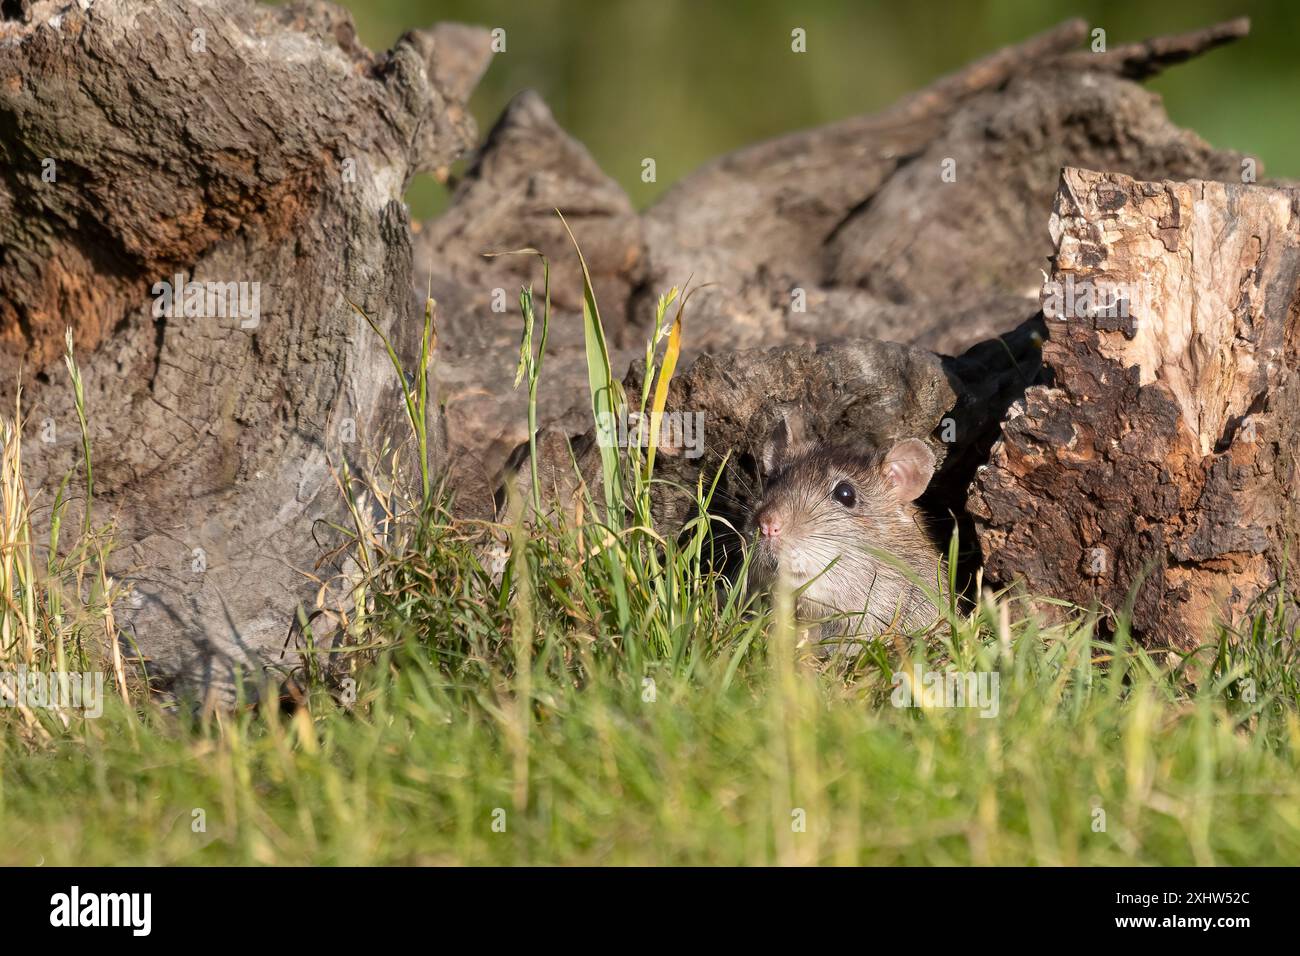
(770, 525)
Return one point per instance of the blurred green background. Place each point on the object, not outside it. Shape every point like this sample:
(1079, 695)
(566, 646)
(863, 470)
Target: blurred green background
(686, 80)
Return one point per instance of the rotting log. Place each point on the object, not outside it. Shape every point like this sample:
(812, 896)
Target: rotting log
(1157, 470)
(844, 232)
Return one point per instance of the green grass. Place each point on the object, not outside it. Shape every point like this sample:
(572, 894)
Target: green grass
(575, 686)
(709, 771)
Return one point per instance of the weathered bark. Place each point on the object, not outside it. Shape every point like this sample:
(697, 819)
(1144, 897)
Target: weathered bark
(853, 219)
(1160, 464)
(226, 142)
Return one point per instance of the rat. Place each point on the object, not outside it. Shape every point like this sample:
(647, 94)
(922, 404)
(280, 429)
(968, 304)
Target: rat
(843, 518)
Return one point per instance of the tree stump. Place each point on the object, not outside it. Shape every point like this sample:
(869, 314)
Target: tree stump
(237, 147)
(1159, 466)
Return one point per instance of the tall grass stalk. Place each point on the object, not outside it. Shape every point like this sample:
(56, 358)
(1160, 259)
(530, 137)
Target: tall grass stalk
(415, 391)
(57, 614)
(530, 361)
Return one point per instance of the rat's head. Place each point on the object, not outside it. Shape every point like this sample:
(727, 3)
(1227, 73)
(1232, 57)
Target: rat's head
(840, 504)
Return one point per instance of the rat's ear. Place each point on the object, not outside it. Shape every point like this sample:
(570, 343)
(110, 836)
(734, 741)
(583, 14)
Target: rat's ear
(787, 435)
(909, 466)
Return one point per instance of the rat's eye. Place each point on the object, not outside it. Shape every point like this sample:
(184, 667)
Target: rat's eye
(845, 494)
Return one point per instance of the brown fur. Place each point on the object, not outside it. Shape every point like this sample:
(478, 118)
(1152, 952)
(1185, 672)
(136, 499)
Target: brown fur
(864, 588)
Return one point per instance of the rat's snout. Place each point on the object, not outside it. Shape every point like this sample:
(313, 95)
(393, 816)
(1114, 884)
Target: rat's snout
(769, 525)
